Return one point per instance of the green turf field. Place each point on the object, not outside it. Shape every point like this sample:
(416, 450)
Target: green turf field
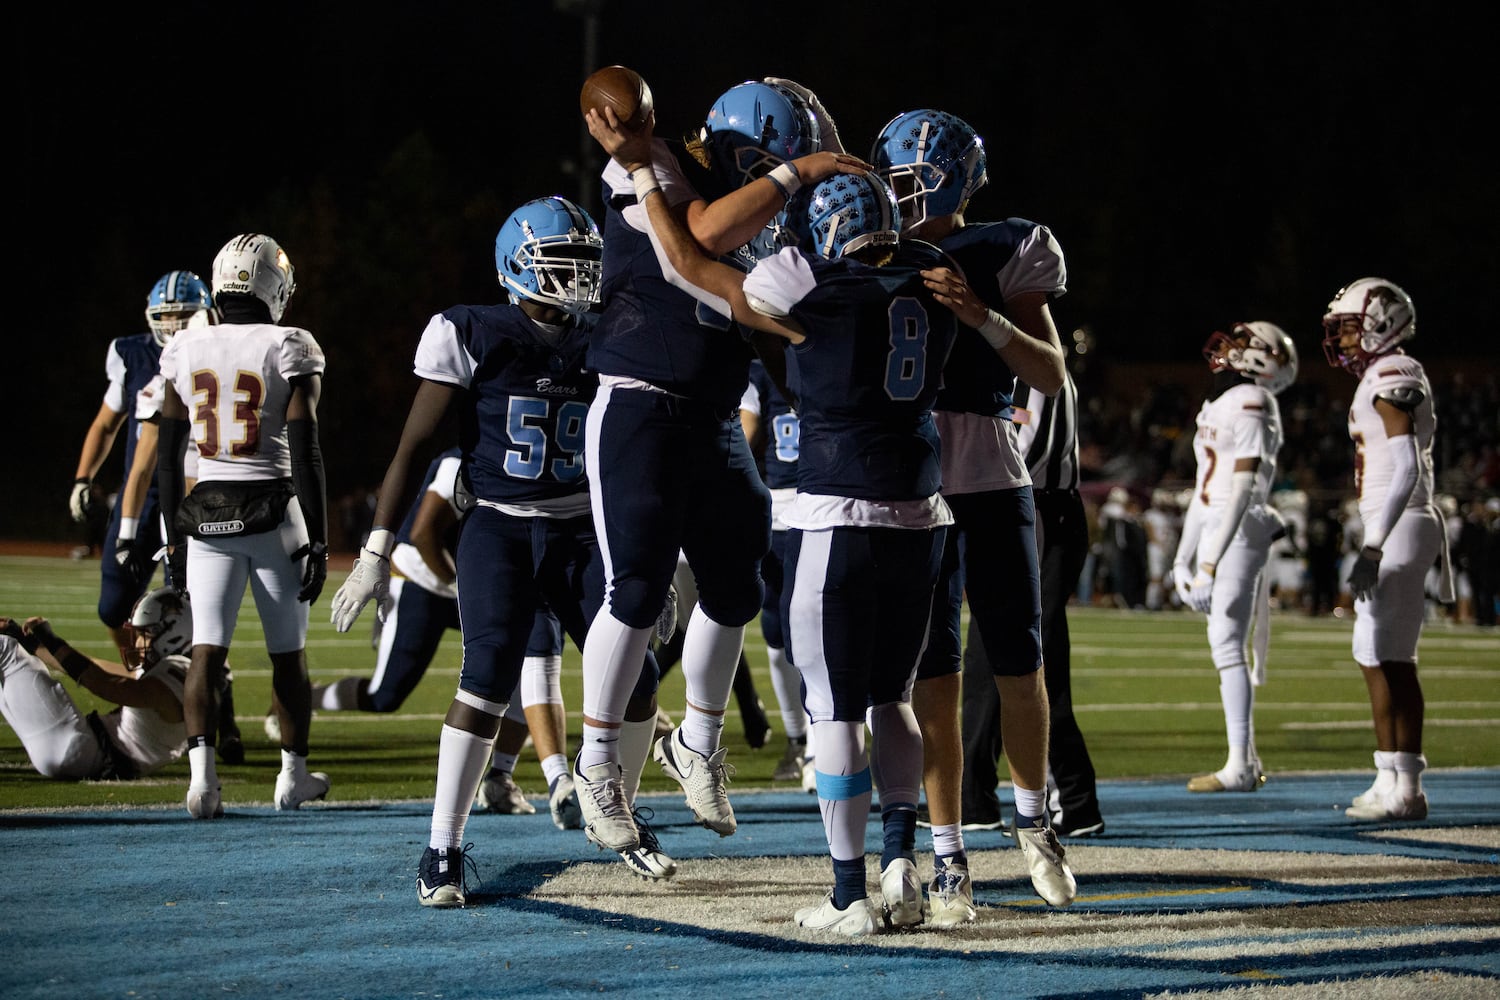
(1145, 694)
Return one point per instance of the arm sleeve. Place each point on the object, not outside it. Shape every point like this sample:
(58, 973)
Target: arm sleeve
(169, 475)
(1241, 484)
(307, 477)
(1192, 528)
(1403, 451)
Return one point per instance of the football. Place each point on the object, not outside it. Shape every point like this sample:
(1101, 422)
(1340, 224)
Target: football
(617, 87)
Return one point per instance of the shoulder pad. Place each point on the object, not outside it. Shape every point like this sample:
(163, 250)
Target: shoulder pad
(1402, 397)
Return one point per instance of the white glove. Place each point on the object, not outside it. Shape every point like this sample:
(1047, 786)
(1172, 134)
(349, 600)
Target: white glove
(666, 622)
(1364, 575)
(828, 131)
(1201, 591)
(1182, 581)
(371, 577)
(81, 500)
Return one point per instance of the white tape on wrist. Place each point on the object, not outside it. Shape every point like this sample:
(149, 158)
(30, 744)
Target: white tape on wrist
(127, 529)
(998, 330)
(380, 542)
(645, 183)
(786, 179)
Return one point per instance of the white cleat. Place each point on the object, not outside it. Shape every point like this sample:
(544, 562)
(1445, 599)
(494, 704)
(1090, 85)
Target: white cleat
(648, 860)
(950, 897)
(562, 802)
(856, 921)
(1045, 857)
(704, 781)
(901, 894)
(499, 793)
(204, 803)
(1391, 806)
(606, 815)
(809, 778)
(1247, 780)
(292, 791)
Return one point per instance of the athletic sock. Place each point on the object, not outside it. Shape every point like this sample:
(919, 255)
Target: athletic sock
(849, 882)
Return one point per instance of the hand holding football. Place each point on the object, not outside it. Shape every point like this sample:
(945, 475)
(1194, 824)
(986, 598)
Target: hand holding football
(620, 88)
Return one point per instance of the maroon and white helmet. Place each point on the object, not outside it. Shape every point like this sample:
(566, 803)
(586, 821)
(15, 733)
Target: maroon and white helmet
(1259, 350)
(165, 619)
(1385, 317)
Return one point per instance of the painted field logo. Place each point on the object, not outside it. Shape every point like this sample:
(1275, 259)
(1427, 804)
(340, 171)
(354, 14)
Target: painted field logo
(221, 527)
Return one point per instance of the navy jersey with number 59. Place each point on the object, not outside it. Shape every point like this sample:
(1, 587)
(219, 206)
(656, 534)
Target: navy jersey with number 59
(522, 432)
(869, 373)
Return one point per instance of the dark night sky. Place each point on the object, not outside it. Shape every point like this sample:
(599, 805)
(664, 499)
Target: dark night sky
(1214, 165)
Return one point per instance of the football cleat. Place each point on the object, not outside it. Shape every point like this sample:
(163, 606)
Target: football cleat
(857, 920)
(442, 876)
(232, 750)
(273, 727)
(204, 803)
(1248, 780)
(950, 897)
(901, 894)
(1391, 805)
(1045, 857)
(789, 768)
(562, 801)
(647, 859)
(498, 793)
(704, 781)
(809, 778)
(1065, 828)
(292, 789)
(606, 815)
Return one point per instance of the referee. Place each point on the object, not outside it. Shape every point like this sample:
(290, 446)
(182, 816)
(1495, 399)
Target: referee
(1049, 440)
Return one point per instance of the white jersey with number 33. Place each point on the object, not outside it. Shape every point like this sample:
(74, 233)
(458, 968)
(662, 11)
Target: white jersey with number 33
(235, 380)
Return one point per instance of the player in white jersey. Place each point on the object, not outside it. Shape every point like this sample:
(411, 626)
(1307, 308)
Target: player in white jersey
(141, 735)
(1391, 423)
(248, 388)
(1227, 533)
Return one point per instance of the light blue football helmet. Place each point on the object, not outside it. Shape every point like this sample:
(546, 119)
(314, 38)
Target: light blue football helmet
(933, 160)
(550, 251)
(755, 126)
(175, 298)
(845, 213)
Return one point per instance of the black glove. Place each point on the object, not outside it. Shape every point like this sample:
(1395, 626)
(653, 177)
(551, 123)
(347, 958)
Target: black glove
(314, 571)
(134, 560)
(177, 567)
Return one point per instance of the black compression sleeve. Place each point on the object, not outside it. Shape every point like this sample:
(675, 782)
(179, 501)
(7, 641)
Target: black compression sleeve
(307, 477)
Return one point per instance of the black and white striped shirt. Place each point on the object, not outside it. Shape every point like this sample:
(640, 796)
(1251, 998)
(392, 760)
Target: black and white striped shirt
(1049, 438)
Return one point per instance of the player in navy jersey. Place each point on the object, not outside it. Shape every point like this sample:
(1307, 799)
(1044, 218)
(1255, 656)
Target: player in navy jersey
(672, 372)
(515, 376)
(867, 526)
(424, 608)
(1014, 268)
(773, 430)
(130, 365)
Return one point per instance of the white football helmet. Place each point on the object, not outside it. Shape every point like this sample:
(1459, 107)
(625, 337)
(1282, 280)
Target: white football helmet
(1385, 315)
(253, 264)
(164, 618)
(1260, 351)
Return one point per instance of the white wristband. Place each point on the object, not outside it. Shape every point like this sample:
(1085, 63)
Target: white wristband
(998, 330)
(786, 179)
(127, 529)
(380, 542)
(645, 183)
